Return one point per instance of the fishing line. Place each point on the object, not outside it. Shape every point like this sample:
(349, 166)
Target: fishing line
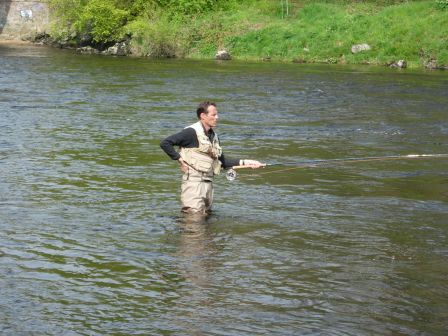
(232, 174)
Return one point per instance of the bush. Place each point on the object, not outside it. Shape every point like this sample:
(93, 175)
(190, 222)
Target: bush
(158, 36)
(187, 7)
(102, 20)
(192, 6)
(65, 13)
(442, 4)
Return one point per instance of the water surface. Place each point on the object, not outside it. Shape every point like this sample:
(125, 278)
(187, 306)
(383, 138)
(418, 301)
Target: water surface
(92, 241)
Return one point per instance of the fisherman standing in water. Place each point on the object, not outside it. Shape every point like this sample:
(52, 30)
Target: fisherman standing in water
(200, 159)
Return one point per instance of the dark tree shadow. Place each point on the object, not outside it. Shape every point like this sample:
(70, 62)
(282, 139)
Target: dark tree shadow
(4, 11)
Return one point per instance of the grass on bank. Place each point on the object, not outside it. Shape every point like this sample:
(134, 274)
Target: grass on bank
(325, 33)
(313, 31)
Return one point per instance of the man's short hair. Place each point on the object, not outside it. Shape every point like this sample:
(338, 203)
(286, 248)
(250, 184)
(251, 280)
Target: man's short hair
(202, 108)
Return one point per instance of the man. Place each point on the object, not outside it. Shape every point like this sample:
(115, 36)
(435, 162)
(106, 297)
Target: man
(200, 159)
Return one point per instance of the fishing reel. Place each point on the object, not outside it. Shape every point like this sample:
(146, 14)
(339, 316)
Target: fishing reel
(231, 174)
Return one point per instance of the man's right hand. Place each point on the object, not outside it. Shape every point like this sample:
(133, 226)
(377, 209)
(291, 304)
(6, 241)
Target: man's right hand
(183, 166)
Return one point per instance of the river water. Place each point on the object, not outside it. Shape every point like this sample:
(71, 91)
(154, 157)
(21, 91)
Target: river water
(92, 241)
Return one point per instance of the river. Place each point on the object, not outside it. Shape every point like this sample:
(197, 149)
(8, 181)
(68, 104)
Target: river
(92, 241)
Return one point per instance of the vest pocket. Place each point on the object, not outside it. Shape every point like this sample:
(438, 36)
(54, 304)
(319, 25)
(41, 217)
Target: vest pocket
(201, 162)
(203, 165)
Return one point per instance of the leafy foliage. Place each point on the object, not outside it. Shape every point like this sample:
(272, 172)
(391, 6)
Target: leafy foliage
(188, 6)
(65, 14)
(442, 4)
(157, 38)
(102, 19)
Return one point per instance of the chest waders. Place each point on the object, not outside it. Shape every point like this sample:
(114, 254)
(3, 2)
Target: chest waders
(203, 164)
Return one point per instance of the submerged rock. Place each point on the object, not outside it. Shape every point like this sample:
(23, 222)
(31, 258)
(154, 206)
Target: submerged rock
(360, 47)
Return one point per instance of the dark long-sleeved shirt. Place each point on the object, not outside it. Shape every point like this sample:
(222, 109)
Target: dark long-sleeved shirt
(187, 138)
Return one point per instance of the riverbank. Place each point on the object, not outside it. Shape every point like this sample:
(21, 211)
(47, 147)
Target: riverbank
(387, 33)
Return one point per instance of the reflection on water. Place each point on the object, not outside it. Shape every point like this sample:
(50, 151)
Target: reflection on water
(91, 241)
(194, 246)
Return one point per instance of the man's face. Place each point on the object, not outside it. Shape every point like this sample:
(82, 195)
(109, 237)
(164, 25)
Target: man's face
(210, 119)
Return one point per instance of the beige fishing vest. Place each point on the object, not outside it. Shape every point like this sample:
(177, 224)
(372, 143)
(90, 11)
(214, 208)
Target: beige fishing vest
(205, 158)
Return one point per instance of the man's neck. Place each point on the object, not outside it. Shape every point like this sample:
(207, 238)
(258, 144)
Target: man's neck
(206, 128)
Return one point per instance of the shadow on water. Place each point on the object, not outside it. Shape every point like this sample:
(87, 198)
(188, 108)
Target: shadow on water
(4, 11)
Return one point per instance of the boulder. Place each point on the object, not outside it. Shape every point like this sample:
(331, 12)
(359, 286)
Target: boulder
(85, 40)
(88, 50)
(298, 60)
(360, 47)
(118, 49)
(402, 64)
(223, 55)
(37, 37)
(64, 43)
(431, 64)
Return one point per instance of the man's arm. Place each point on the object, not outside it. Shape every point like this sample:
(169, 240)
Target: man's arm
(186, 138)
(228, 162)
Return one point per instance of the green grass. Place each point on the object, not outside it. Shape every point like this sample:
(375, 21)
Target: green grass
(323, 32)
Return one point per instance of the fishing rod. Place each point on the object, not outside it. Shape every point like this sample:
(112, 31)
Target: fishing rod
(232, 174)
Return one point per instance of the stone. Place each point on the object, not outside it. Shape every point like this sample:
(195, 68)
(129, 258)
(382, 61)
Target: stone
(431, 64)
(360, 47)
(223, 55)
(88, 50)
(42, 38)
(118, 49)
(84, 40)
(402, 64)
(298, 60)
